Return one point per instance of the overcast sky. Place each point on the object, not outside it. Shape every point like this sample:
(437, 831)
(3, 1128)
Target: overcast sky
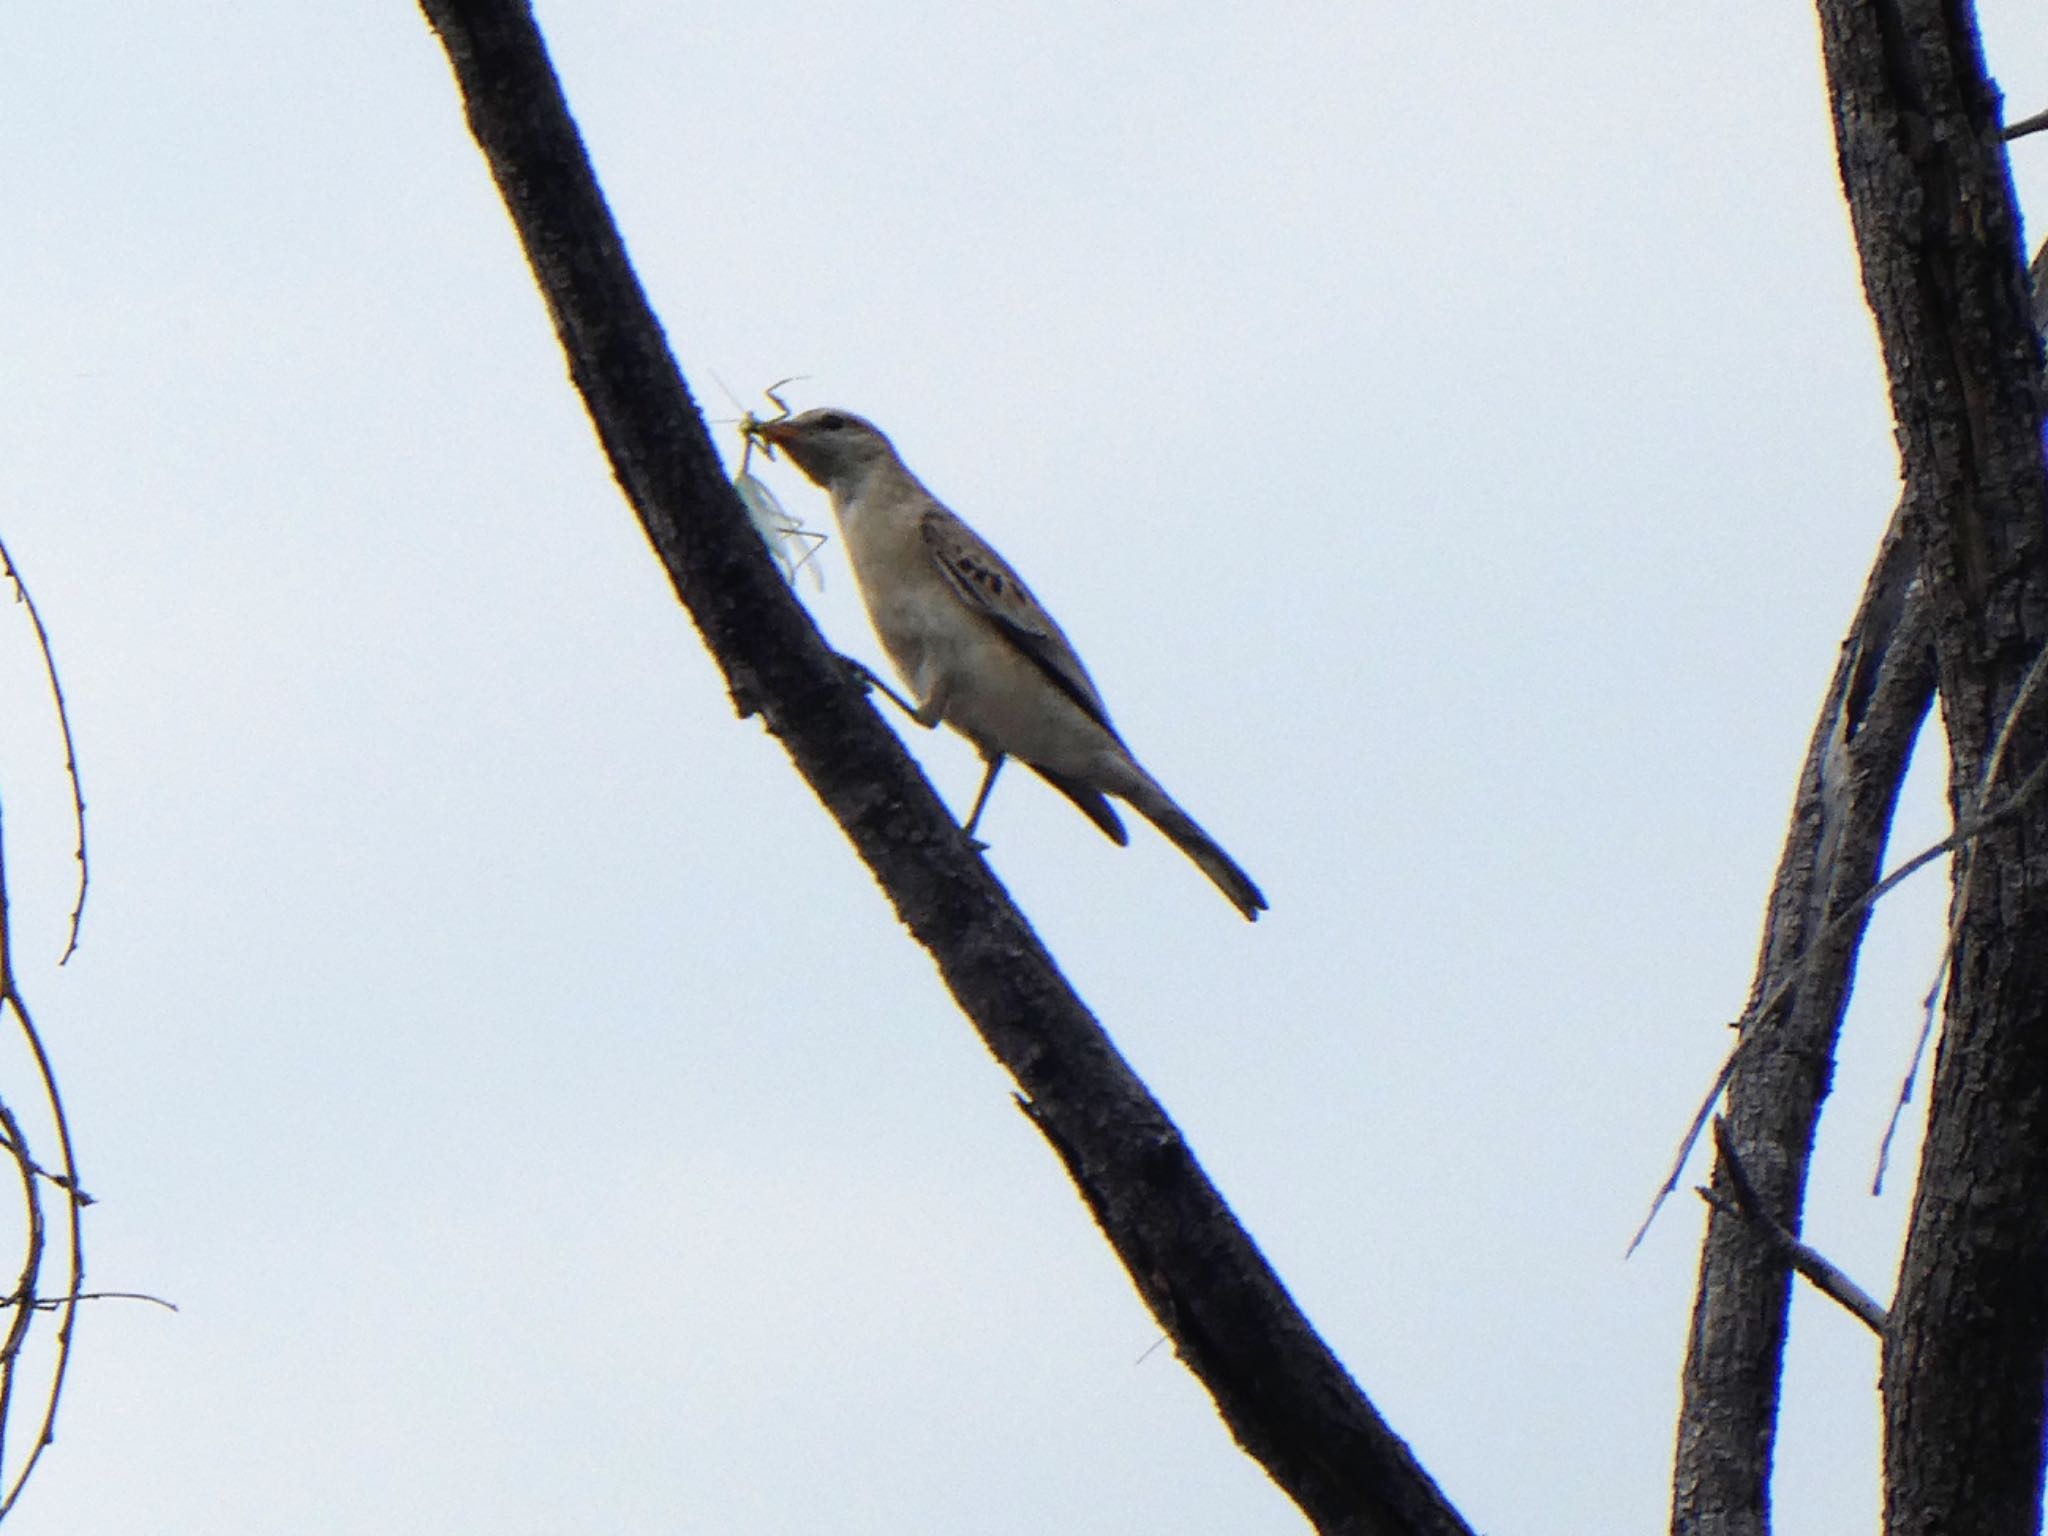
(1453, 434)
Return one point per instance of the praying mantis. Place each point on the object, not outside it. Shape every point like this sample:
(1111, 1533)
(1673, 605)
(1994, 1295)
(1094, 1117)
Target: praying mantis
(788, 540)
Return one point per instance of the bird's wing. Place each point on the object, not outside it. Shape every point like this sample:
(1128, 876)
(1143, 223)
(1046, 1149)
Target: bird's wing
(985, 583)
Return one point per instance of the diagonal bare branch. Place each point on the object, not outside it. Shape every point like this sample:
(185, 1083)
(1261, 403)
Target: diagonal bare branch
(12, 573)
(1806, 1260)
(1779, 1072)
(1285, 1397)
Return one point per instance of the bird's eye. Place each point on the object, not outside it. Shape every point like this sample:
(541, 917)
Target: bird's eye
(831, 421)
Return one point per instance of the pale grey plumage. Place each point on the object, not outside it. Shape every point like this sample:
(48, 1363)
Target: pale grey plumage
(977, 649)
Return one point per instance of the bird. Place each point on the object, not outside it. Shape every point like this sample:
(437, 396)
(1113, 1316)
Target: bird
(978, 651)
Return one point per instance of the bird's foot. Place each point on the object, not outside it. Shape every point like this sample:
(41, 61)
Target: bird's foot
(865, 679)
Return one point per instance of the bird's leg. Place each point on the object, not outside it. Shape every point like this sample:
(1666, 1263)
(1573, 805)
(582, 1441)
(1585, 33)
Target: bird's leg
(926, 717)
(931, 715)
(988, 782)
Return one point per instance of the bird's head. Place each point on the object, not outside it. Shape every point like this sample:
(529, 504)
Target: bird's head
(835, 448)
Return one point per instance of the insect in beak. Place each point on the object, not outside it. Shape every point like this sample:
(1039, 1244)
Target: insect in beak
(754, 433)
(788, 540)
(755, 430)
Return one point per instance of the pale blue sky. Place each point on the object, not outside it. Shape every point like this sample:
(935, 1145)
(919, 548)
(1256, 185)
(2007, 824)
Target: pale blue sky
(1455, 437)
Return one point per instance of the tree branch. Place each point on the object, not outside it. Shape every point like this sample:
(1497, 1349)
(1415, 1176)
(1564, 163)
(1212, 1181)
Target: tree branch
(1966, 1357)
(1285, 1397)
(1784, 1061)
(1807, 1260)
(2027, 125)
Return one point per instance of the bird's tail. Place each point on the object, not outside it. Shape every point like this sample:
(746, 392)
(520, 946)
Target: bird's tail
(1157, 807)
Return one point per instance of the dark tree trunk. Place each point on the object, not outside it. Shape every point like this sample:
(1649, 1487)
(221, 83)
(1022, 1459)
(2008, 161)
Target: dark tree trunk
(1966, 1354)
(1847, 790)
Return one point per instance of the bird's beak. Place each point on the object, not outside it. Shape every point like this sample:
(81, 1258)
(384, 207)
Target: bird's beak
(770, 434)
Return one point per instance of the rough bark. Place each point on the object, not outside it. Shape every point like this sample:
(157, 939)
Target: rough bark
(1966, 1357)
(1285, 1397)
(1813, 929)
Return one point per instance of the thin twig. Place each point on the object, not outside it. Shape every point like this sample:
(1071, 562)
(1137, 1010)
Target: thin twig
(10, 996)
(2035, 673)
(52, 1303)
(31, 1267)
(1927, 1014)
(74, 1207)
(1957, 907)
(1968, 832)
(1803, 1257)
(40, 1171)
(2026, 125)
(35, 618)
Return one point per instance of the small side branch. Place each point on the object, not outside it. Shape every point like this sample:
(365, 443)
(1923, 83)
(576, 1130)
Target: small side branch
(1825, 1277)
(13, 573)
(2025, 126)
(1962, 837)
(66, 1180)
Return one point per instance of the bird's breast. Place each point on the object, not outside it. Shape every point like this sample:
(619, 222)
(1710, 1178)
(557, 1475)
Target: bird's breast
(912, 609)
